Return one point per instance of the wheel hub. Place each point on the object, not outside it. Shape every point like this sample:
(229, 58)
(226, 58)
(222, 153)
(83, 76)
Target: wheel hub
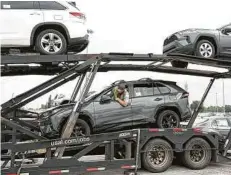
(157, 155)
(206, 50)
(197, 153)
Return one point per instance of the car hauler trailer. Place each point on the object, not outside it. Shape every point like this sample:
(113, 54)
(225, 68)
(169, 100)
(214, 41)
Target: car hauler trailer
(153, 148)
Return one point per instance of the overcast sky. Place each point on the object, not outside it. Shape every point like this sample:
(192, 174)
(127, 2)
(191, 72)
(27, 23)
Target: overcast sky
(138, 26)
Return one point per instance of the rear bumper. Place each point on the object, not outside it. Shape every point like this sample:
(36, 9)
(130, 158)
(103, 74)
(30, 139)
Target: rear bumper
(78, 44)
(187, 115)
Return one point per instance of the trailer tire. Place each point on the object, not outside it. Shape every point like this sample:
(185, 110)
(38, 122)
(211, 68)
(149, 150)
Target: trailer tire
(160, 162)
(174, 121)
(197, 159)
(179, 64)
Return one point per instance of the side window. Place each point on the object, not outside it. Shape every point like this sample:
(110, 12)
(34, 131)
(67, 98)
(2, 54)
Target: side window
(142, 90)
(222, 123)
(156, 89)
(51, 5)
(17, 5)
(163, 89)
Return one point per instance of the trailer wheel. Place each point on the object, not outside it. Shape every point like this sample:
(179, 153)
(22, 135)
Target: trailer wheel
(197, 155)
(157, 156)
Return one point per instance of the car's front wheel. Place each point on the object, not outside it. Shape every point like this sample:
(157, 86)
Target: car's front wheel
(81, 128)
(205, 49)
(51, 42)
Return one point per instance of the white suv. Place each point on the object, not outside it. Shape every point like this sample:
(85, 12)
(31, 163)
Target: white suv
(48, 27)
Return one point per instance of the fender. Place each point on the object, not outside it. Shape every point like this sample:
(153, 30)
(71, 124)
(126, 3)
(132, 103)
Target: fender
(166, 105)
(210, 36)
(48, 23)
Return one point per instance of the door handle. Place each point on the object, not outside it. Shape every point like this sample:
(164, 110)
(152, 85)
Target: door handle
(158, 99)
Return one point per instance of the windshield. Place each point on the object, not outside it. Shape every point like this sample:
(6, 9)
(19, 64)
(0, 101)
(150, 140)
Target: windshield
(224, 26)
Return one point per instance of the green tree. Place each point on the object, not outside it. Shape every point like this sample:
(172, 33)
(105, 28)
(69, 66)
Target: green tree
(195, 104)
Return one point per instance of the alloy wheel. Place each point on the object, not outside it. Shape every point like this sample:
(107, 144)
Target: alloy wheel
(169, 121)
(206, 50)
(51, 43)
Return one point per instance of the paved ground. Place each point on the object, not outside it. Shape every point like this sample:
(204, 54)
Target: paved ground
(213, 169)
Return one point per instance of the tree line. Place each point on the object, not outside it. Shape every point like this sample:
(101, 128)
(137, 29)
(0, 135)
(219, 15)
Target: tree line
(195, 104)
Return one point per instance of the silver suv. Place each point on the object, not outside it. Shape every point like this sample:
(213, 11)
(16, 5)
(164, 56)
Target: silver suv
(207, 43)
(157, 102)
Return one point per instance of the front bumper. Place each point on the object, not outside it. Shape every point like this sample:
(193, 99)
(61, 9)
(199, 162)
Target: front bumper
(78, 44)
(179, 45)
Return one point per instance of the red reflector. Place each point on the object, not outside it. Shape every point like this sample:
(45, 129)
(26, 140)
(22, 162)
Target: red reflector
(128, 166)
(92, 169)
(177, 129)
(55, 172)
(197, 130)
(153, 130)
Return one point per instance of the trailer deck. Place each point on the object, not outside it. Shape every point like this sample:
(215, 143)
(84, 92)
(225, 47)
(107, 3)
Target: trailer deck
(85, 66)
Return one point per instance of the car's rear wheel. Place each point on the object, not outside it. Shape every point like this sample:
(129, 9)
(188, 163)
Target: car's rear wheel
(179, 64)
(157, 156)
(51, 42)
(168, 119)
(205, 49)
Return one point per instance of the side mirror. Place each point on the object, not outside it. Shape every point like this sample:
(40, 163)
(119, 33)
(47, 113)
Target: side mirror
(105, 99)
(226, 31)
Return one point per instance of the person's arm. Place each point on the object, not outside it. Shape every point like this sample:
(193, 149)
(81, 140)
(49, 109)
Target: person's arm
(121, 102)
(124, 102)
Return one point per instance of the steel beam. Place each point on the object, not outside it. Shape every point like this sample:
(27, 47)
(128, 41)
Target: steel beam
(196, 112)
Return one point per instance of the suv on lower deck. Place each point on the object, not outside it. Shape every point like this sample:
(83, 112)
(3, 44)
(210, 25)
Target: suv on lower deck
(47, 27)
(151, 102)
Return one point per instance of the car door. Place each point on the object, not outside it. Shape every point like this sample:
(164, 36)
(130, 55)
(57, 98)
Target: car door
(225, 42)
(18, 19)
(146, 98)
(221, 125)
(111, 115)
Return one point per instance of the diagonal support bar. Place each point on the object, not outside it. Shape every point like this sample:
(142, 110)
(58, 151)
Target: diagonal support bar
(196, 112)
(18, 100)
(75, 112)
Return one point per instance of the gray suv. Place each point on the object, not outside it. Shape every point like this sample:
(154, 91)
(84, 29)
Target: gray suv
(151, 102)
(207, 43)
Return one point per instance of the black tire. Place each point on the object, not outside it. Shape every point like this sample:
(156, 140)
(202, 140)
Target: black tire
(200, 43)
(197, 162)
(166, 160)
(39, 47)
(179, 64)
(165, 115)
(83, 124)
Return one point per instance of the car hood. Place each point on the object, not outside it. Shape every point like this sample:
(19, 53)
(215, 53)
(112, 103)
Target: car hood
(199, 30)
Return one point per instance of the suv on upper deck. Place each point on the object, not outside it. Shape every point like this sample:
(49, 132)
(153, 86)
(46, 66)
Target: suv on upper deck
(206, 43)
(49, 27)
(151, 102)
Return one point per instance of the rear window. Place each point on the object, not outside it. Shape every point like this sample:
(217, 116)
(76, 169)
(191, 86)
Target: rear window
(17, 5)
(163, 89)
(73, 4)
(51, 5)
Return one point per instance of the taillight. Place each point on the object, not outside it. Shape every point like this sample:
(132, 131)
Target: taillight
(185, 95)
(78, 15)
